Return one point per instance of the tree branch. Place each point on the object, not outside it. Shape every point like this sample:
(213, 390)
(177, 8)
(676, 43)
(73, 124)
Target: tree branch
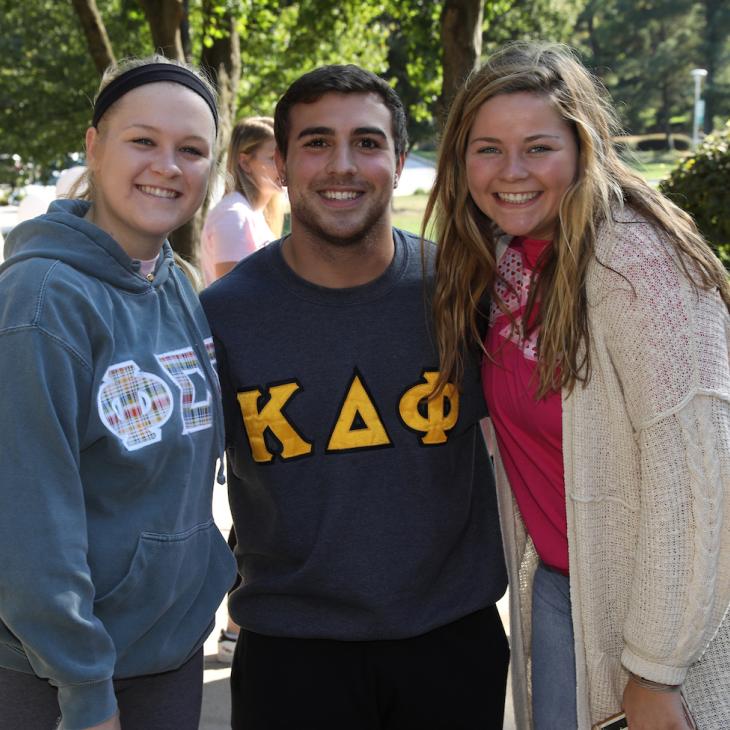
(164, 18)
(461, 38)
(96, 36)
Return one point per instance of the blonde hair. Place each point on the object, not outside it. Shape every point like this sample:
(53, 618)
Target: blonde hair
(247, 136)
(466, 267)
(83, 188)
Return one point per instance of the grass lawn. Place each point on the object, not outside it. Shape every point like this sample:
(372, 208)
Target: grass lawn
(407, 212)
(654, 166)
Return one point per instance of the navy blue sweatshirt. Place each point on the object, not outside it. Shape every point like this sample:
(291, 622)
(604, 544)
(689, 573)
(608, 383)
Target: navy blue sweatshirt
(362, 510)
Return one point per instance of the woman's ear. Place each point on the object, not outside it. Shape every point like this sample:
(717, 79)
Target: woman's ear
(92, 137)
(243, 161)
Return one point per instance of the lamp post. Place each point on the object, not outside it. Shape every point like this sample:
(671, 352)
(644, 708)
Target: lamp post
(699, 107)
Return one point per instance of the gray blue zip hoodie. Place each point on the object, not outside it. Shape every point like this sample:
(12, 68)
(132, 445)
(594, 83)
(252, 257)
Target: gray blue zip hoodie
(110, 426)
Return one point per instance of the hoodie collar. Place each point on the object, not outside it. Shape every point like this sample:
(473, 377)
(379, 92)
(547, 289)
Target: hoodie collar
(63, 234)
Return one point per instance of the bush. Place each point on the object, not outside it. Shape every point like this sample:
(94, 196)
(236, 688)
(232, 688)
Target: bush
(701, 185)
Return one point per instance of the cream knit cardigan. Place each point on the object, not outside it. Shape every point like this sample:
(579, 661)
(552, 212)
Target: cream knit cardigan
(646, 450)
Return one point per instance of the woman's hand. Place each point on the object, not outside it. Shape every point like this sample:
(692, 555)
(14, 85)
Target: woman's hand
(649, 709)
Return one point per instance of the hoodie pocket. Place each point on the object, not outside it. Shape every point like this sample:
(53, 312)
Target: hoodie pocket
(162, 610)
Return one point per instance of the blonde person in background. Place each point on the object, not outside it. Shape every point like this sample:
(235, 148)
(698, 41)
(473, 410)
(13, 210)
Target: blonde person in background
(605, 369)
(250, 214)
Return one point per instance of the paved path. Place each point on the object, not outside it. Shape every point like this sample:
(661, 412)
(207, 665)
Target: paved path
(418, 175)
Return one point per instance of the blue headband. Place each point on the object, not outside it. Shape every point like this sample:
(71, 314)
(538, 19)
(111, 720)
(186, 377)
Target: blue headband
(151, 73)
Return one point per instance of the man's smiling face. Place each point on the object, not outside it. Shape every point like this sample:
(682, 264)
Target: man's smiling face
(340, 167)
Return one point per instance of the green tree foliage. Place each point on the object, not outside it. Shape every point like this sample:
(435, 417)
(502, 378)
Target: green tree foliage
(414, 62)
(715, 57)
(645, 49)
(699, 185)
(623, 36)
(415, 53)
(46, 88)
(44, 104)
(282, 40)
(549, 20)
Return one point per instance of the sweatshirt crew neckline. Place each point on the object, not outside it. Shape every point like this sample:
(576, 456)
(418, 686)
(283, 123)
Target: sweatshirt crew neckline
(346, 296)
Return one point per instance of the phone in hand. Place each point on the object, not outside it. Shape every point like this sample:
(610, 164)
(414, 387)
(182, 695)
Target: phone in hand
(618, 722)
(615, 722)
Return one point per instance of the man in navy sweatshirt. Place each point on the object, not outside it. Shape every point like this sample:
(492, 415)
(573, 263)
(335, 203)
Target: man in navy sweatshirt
(368, 539)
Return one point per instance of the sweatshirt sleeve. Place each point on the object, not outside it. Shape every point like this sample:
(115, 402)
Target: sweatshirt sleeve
(668, 343)
(46, 591)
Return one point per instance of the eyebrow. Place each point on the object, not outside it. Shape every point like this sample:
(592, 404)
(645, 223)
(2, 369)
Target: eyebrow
(152, 128)
(329, 131)
(531, 138)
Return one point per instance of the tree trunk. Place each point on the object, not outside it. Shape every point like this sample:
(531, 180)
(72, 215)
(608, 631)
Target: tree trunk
(96, 37)
(589, 16)
(164, 18)
(461, 39)
(187, 45)
(715, 33)
(222, 62)
(664, 115)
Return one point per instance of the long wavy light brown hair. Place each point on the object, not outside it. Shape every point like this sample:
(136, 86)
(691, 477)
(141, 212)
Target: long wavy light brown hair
(247, 136)
(466, 267)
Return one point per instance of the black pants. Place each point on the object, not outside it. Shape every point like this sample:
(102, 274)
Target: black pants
(167, 701)
(452, 678)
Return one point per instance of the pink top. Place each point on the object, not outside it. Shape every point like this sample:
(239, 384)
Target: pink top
(232, 231)
(529, 431)
(147, 267)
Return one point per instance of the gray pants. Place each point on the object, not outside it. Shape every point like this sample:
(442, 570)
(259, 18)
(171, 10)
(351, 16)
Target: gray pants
(167, 701)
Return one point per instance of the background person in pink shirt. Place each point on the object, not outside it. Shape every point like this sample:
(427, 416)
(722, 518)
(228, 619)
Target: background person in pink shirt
(250, 214)
(607, 377)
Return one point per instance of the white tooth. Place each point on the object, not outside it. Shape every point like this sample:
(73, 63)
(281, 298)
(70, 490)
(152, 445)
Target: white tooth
(516, 197)
(159, 192)
(339, 195)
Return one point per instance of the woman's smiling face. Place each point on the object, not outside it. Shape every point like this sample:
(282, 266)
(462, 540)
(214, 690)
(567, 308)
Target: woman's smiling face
(521, 158)
(151, 160)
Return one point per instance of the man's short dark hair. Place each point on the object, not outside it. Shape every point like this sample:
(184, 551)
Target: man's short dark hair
(348, 79)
